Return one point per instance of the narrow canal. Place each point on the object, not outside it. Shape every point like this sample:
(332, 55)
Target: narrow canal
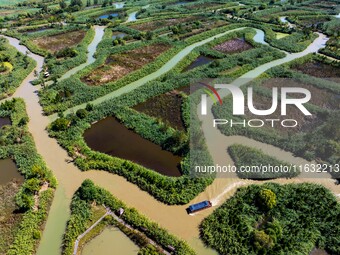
(173, 218)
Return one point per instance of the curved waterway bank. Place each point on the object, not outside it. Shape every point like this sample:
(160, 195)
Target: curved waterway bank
(259, 37)
(99, 33)
(173, 218)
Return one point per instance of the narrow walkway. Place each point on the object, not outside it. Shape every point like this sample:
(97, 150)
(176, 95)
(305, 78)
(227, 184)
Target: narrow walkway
(76, 244)
(120, 220)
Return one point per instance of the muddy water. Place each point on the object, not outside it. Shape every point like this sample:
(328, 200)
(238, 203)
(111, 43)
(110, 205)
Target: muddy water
(201, 60)
(173, 218)
(113, 138)
(9, 172)
(4, 121)
(111, 239)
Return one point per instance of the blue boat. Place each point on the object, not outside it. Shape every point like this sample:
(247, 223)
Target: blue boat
(199, 206)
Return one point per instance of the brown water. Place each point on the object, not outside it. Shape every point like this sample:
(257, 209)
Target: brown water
(173, 218)
(9, 172)
(4, 121)
(110, 241)
(113, 138)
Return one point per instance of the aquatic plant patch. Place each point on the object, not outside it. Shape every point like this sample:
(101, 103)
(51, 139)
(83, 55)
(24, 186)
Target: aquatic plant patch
(319, 69)
(233, 46)
(60, 41)
(23, 205)
(167, 107)
(119, 65)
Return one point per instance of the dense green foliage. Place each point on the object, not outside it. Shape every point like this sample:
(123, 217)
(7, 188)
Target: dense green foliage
(81, 214)
(16, 143)
(275, 219)
(28, 234)
(82, 92)
(319, 143)
(19, 67)
(244, 156)
(167, 189)
(170, 190)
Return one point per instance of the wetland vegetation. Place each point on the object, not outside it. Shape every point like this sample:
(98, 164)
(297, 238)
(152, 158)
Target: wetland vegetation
(84, 212)
(119, 80)
(26, 187)
(256, 220)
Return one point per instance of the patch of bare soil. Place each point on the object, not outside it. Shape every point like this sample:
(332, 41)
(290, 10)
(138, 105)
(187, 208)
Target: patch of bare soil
(57, 42)
(320, 70)
(320, 97)
(233, 46)
(9, 219)
(166, 107)
(117, 66)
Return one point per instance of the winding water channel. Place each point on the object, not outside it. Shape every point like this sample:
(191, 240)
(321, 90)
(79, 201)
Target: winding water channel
(173, 218)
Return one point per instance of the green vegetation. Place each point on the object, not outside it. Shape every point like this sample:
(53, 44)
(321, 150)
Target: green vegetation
(64, 47)
(16, 143)
(275, 219)
(244, 156)
(14, 67)
(166, 189)
(81, 216)
(312, 141)
(170, 190)
(268, 219)
(82, 92)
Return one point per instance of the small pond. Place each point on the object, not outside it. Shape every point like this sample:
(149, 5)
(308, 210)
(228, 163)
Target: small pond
(111, 137)
(201, 60)
(29, 32)
(110, 241)
(116, 35)
(119, 5)
(4, 121)
(107, 16)
(9, 172)
(180, 3)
